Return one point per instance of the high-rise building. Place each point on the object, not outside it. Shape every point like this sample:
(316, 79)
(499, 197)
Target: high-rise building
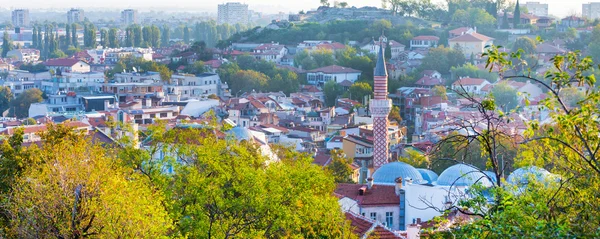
(75, 16)
(590, 10)
(233, 13)
(537, 8)
(128, 17)
(20, 17)
(380, 107)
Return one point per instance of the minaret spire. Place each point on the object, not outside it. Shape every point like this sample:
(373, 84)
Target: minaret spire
(380, 107)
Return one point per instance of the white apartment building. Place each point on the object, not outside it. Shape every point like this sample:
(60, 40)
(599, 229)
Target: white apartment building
(20, 17)
(187, 87)
(591, 10)
(129, 16)
(233, 13)
(537, 8)
(75, 16)
(74, 81)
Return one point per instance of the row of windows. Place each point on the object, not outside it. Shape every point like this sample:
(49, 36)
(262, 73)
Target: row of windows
(389, 218)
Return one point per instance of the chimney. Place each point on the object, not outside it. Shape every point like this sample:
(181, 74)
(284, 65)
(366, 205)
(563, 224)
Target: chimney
(398, 185)
(369, 183)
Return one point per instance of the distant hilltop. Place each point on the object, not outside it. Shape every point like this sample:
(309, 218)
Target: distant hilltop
(327, 14)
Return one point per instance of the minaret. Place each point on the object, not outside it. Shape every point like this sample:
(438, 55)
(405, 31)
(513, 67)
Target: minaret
(380, 108)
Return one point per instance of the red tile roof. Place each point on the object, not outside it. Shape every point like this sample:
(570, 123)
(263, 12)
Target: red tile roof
(469, 81)
(459, 31)
(334, 69)
(396, 44)
(426, 38)
(376, 196)
(39, 128)
(362, 226)
(471, 37)
(429, 81)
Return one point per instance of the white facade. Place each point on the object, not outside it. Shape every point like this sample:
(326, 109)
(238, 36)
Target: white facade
(57, 104)
(75, 16)
(591, 10)
(186, 87)
(233, 13)
(537, 8)
(91, 81)
(20, 18)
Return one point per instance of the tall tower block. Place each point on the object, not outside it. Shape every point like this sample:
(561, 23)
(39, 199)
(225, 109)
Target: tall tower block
(380, 107)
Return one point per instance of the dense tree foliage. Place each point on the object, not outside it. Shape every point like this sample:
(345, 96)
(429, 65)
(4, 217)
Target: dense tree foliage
(559, 205)
(250, 74)
(469, 70)
(340, 167)
(442, 59)
(5, 98)
(332, 91)
(19, 107)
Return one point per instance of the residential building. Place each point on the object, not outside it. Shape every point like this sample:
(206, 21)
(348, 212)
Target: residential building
(537, 8)
(67, 65)
(471, 44)
(335, 73)
(187, 87)
(75, 16)
(526, 19)
(74, 81)
(430, 79)
(590, 10)
(460, 31)
(129, 16)
(24, 55)
(272, 52)
(470, 85)
(20, 18)
(70, 103)
(233, 13)
(424, 42)
(570, 22)
(131, 86)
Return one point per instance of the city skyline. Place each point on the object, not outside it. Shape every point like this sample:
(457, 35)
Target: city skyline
(556, 7)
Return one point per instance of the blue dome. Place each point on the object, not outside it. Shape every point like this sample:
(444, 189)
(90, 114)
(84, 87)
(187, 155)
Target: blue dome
(522, 176)
(241, 133)
(428, 175)
(492, 175)
(388, 173)
(462, 175)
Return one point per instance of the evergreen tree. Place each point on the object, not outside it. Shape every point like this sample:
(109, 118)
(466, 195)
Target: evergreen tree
(34, 38)
(6, 44)
(165, 37)
(388, 51)
(67, 36)
(74, 34)
(39, 39)
(137, 35)
(104, 38)
(517, 16)
(186, 35)
(113, 42)
(505, 24)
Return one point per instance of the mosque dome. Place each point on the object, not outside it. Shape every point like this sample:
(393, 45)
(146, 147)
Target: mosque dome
(522, 176)
(388, 173)
(462, 175)
(241, 133)
(428, 175)
(491, 175)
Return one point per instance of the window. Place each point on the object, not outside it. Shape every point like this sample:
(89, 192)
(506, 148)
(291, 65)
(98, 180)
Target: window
(152, 116)
(389, 219)
(373, 216)
(163, 115)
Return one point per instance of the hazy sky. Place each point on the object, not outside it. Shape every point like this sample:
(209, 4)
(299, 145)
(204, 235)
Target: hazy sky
(556, 7)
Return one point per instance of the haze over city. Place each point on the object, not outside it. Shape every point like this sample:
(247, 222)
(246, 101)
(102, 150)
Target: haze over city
(558, 7)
